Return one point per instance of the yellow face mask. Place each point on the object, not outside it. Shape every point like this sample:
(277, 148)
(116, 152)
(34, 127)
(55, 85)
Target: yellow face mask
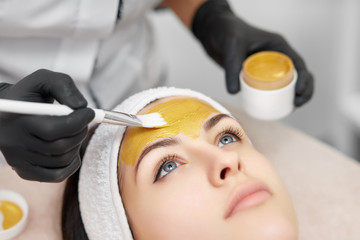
(183, 115)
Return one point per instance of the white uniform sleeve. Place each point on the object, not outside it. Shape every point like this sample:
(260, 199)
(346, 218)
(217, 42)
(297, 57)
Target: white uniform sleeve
(58, 18)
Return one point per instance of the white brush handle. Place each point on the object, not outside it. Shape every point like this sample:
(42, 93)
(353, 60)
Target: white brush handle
(33, 108)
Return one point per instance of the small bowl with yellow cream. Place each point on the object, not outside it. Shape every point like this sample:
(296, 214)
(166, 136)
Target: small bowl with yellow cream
(14, 213)
(268, 85)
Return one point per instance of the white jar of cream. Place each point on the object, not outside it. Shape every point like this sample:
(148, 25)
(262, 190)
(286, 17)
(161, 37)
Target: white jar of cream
(14, 212)
(268, 85)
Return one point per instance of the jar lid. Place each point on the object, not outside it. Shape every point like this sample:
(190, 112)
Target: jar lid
(268, 70)
(14, 213)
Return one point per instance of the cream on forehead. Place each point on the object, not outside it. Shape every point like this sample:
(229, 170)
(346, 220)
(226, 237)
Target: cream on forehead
(183, 115)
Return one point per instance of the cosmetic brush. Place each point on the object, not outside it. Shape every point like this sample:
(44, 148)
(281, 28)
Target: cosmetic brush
(151, 120)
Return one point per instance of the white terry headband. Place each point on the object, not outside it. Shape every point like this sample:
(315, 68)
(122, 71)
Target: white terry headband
(100, 202)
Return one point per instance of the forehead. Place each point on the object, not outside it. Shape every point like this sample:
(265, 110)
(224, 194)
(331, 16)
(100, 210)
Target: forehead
(183, 115)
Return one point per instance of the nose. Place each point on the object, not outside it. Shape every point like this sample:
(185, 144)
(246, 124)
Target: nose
(219, 164)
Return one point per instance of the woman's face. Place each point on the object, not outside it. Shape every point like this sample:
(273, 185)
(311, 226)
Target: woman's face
(200, 178)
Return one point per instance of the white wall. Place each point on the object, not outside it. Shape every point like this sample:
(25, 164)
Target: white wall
(324, 32)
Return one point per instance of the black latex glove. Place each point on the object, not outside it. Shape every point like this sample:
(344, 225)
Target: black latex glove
(229, 41)
(44, 148)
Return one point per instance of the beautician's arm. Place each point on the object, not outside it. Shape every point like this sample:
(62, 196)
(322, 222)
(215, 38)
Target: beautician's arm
(229, 40)
(54, 18)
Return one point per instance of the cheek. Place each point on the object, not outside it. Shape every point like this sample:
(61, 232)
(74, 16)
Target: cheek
(177, 203)
(256, 164)
(180, 188)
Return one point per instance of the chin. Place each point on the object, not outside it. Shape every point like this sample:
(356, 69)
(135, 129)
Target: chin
(279, 229)
(270, 232)
(268, 225)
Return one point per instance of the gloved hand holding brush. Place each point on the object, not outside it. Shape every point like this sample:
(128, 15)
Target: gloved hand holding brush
(44, 148)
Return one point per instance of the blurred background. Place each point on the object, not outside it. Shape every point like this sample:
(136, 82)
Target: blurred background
(326, 33)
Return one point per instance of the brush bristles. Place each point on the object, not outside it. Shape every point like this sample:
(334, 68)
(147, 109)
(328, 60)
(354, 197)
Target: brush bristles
(151, 120)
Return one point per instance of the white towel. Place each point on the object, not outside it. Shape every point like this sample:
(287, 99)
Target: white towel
(101, 207)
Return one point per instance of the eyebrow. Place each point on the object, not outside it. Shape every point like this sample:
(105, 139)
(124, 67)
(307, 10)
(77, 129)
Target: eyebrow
(162, 143)
(214, 120)
(172, 141)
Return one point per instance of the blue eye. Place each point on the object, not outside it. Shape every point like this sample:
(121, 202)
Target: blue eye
(166, 168)
(226, 139)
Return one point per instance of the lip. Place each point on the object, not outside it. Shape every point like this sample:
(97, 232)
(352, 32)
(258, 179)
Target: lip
(247, 195)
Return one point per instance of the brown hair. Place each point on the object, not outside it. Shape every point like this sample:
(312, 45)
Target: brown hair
(72, 226)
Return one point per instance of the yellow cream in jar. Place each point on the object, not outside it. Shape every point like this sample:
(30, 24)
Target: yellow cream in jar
(268, 70)
(10, 213)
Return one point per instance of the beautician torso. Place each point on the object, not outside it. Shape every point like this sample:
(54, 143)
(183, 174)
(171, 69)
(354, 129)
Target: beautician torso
(108, 59)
